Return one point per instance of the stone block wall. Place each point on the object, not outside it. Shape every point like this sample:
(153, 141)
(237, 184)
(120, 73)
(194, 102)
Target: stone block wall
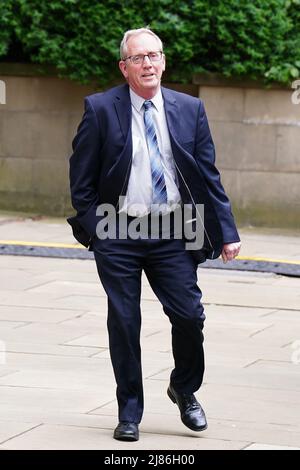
(256, 132)
(37, 125)
(257, 138)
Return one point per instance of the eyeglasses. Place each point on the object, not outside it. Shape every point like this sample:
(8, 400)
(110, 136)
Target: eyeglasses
(139, 59)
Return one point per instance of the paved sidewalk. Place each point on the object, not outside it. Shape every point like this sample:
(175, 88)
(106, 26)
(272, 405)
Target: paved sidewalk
(56, 382)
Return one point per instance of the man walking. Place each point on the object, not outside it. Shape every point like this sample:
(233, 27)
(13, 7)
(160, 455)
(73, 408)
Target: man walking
(152, 146)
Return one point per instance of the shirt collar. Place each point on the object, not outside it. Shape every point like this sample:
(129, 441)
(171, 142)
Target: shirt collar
(137, 101)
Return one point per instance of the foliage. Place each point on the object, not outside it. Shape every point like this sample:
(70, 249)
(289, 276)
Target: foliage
(254, 38)
(287, 68)
(6, 25)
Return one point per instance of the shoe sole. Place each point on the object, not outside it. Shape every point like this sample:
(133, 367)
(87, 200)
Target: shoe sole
(126, 438)
(173, 399)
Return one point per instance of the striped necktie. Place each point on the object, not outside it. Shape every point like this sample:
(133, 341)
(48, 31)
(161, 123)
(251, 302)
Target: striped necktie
(158, 180)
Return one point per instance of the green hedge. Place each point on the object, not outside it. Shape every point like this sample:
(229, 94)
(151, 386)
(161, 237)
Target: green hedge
(253, 38)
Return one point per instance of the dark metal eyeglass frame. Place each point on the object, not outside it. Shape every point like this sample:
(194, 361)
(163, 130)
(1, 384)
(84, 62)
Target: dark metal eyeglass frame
(143, 57)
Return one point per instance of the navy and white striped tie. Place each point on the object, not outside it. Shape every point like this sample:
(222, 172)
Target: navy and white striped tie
(158, 180)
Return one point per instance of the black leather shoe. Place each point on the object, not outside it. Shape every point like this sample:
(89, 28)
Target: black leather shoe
(192, 414)
(126, 431)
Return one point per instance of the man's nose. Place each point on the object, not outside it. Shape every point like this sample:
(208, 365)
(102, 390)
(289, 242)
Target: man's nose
(147, 62)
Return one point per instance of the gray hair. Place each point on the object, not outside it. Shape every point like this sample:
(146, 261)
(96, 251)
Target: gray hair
(136, 32)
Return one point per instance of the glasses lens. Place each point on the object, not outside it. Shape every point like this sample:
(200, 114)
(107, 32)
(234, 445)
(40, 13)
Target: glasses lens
(153, 57)
(137, 59)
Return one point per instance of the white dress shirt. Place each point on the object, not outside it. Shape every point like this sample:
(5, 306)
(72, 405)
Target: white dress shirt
(138, 198)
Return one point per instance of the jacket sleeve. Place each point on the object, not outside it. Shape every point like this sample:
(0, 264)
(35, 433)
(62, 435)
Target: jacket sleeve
(85, 172)
(205, 158)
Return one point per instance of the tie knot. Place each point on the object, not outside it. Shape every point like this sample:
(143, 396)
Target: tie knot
(147, 104)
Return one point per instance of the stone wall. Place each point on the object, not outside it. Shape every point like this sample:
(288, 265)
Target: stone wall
(257, 137)
(256, 132)
(37, 125)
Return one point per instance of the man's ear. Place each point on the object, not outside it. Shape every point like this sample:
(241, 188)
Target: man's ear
(123, 68)
(164, 63)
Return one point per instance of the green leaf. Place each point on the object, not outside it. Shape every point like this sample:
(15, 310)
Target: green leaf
(294, 72)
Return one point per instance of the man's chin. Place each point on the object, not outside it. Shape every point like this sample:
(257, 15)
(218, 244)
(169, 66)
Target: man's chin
(150, 83)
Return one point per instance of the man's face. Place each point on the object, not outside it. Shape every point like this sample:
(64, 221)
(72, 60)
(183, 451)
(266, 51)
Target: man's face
(143, 78)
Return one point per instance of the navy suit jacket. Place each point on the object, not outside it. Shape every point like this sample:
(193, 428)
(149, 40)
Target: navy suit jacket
(102, 155)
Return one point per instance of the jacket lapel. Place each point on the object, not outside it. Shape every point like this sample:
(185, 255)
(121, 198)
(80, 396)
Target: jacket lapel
(172, 113)
(116, 179)
(123, 109)
(184, 162)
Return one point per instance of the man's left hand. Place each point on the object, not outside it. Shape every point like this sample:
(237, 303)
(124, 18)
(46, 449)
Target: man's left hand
(230, 251)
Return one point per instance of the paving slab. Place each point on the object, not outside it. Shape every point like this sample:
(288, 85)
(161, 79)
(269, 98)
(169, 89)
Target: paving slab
(13, 429)
(57, 389)
(73, 438)
(269, 447)
(22, 313)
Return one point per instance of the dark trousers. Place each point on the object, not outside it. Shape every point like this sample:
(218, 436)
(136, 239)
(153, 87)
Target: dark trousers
(172, 274)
